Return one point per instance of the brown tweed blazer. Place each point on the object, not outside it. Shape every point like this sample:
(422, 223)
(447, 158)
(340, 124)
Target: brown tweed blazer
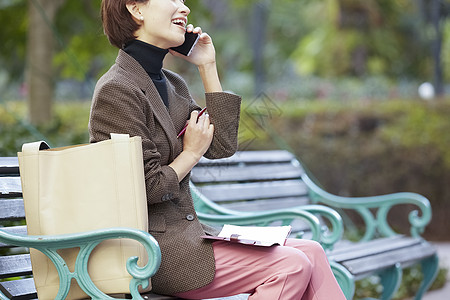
(126, 101)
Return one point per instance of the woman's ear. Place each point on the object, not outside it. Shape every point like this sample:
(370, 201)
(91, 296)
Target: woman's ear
(134, 10)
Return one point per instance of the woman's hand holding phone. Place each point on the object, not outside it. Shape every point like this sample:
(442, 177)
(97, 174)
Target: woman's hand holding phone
(203, 52)
(203, 55)
(190, 40)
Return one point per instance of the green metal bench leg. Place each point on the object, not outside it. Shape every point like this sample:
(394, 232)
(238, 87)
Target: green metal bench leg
(345, 279)
(390, 280)
(430, 269)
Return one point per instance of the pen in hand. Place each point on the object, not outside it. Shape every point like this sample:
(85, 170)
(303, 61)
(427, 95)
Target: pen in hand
(185, 126)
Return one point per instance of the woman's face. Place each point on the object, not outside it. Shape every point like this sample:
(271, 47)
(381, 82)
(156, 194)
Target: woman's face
(164, 23)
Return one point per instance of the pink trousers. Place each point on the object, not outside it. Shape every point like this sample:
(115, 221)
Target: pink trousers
(298, 270)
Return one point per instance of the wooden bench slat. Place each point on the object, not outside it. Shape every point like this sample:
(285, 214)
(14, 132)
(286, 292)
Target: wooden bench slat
(11, 209)
(14, 229)
(365, 265)
(254, 190)
(8, 161)
(227, 173)
(22, 229)
(267, 204)
(250, 157)
(9, 166)
(22, 289)
(372, 247)
(15, 265)
(10, 187)
(342, 245)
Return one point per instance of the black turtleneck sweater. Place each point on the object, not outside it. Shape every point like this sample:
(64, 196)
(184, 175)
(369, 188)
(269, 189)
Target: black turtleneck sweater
(151, 59)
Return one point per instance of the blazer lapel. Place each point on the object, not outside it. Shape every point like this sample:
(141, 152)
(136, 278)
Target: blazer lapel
(138, 75)
(179, 113)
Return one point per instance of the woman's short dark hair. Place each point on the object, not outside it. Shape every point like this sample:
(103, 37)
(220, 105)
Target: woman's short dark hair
(118, 24)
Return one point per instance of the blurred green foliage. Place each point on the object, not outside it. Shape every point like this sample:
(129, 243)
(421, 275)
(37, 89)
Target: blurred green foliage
(68, 127)
(363, 148)
(321, 38)
(364, 38)
(13, 32)
(370, 288)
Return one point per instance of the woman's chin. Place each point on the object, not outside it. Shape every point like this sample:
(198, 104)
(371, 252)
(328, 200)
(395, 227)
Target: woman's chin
(179, 42)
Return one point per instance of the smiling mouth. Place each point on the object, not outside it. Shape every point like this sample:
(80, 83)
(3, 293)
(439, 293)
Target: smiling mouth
(180, 22)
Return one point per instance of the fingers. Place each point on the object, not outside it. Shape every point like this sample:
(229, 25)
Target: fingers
(211, 129)
(194, 117)
(190, 28)
(199, 134)
(204, 120)
(201, 123)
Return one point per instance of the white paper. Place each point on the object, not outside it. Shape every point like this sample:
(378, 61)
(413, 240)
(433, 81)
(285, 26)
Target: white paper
(268, 235)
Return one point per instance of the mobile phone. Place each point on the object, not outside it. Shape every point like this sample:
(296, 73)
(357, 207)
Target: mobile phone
(189, 43)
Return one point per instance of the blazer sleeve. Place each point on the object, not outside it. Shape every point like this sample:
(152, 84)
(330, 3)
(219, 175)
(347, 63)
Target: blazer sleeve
(224, 112)
(117, 108)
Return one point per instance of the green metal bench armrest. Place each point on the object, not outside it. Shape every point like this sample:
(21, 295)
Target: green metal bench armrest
(87, 241)
(210, 212)
(329, 236)
(382, 203)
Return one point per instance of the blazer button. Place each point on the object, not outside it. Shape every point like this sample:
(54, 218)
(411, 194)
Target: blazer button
(190, 217)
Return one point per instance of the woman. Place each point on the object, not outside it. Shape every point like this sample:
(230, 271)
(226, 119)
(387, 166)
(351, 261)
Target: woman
(138, 97)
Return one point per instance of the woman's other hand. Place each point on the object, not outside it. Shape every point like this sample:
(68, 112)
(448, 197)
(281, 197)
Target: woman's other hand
(198, 136)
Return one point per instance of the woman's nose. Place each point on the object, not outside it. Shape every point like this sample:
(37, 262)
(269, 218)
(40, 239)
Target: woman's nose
(184, 9)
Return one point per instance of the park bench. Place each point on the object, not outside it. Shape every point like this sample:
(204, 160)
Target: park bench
(259, 181)
(16, 264)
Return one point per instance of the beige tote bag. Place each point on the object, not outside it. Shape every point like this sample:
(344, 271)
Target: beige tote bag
(83, 188)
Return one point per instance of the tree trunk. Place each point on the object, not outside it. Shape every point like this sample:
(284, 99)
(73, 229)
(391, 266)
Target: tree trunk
(40, 46)
(436, 20)
(258, 40)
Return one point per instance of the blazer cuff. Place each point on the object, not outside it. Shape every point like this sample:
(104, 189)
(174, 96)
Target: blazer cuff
(168, 188)
(224, 112)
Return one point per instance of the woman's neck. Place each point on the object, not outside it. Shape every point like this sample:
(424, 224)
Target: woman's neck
(150, 57)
